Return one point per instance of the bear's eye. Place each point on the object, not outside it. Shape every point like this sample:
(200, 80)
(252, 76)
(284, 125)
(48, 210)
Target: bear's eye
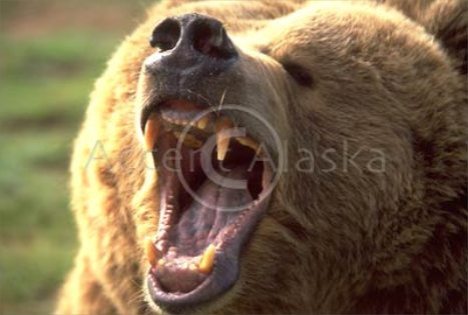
(299, 73)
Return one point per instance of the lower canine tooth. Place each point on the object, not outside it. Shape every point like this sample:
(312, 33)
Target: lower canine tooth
(152, 253)
(151, 131)
(207, 259)
(222, 141)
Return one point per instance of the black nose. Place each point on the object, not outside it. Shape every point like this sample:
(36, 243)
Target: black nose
(190, 40)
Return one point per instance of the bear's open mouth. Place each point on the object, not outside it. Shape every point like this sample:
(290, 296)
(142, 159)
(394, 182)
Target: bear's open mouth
(213, 186)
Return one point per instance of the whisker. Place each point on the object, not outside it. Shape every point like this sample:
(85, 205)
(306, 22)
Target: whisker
(221, 101)
(200, 96)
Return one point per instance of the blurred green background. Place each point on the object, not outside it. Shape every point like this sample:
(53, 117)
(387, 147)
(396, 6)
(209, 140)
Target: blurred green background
(50, 54)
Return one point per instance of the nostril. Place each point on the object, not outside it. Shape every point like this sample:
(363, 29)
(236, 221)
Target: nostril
(166, 34)
(209, 37)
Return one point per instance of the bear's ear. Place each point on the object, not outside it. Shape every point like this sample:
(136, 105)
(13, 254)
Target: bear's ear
(447, 20)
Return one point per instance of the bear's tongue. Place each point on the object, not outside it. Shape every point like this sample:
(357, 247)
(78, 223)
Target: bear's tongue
(205, 222)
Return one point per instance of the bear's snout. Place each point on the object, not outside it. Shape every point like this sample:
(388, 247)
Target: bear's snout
(191, 44)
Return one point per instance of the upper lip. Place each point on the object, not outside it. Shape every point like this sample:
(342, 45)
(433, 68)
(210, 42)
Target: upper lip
(154, 102)
(153, 105)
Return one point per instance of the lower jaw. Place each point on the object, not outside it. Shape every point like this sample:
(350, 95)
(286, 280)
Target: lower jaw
(176, 202)
(213, 287)
(226, 265)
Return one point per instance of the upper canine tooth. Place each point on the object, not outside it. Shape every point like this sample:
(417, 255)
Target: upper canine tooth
(222, 141)
(189, 140)
(207, 259)
(152, 127)
(152, 254)
(249, 142)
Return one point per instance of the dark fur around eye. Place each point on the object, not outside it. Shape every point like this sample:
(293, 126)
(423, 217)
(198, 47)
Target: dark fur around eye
(300, 74)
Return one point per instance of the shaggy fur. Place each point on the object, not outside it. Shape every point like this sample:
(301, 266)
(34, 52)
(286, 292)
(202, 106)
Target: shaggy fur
(386, 75)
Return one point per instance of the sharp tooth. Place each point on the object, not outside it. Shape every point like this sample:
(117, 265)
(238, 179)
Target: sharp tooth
(151, 252)
(189, 140)
(151, 131)
(207, 259)
(203, 122)
(222, 141)
(249, 142)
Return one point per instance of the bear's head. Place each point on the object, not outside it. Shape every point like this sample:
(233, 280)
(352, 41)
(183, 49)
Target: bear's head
(299, 158)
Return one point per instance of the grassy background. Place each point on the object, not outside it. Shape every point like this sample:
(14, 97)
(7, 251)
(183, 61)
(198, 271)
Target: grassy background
(50, 54)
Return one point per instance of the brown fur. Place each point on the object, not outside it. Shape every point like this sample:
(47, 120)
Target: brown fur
(331, 242)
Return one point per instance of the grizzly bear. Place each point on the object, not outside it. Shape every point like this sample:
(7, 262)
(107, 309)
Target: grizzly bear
(276, 157)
